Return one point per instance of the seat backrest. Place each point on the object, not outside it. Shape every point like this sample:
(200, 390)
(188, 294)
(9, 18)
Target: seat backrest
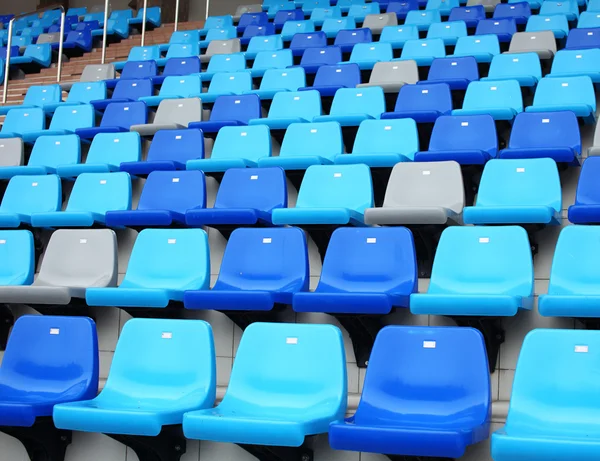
(335, 186)
(517, 64)
(230, 46)
(454, 68)
(248, 19)
(353, 37)
(231, 82)
(290, 28)
(322, 13)
(449, 29)
(294, 357)
(262, 189)
(399, 34)
(184, 349)
(284, 79)
(96, 72)
(343, 75)
(177, 191)
(589, 19)
(387, 136)
(17, 254)
(24, 120)
(587, 192)
(361, 11)
(11, 152)
(55, 150)
(273, 59)
(523, 42)
(438, 368)
(274, 259)
(39, 53)
(182, 66)
(369, 101)
(227, 63)
(583, 38)
(308, 40)
(193, 36)
(248, 142)
(84, 92)
(176, 145)
(80, 258)
(395, 72)
(242, 108)
(554, 22)
(224, 33)
(546, 129)
(494, 94)
(319, 139)
(22, 40)
(467, 13)
(177, 259)
(574, 61)
(284, 16)
(433, 96)
(125, 114)
(184, 86)
(565, 90)
(183, 50)
(42, 94)
(133, 89)
(329, 55)
(512, 10)
(144, 53)
(483, 260)
(420, 17)
(179, 111)
(429, 47)
(379, 21)
(71, 118)
(242, 9)
(114, 148)
(53, 37)
(139, 69)
(506, 26)
(372, 52)
(478, 44)
(268, 43)
(32, 194)
(464, 132)
(258, 30)
(304, 104)
(41, 356)
(100, 192)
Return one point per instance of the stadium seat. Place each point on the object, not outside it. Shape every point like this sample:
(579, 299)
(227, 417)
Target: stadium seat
(471, 15)
(256, 31)
(501, 99)
(482, 47)
(27, 195)
(133, 70)
(583, 39)
(140, 53)
(568, 63)
(33, 377)
(306, 144)
(331, 78)
(118, 117)
(449, 31)
(284, 16)
(383, 143)
(331, 26)
(523, 67)
(266, 60)
(291, 107)
(347, 39)
(166, 197)
(393, 75)
(574, 94)
(301, 42)
(546, 418)
(12, 152)
(217, 47)
(422, 18)
(178, 66)
(520, 12)
(402, 7)
(175, 87)
(236, 147)
(37, 96)
(218, 22)
(586, 209)
(397, 36)
(305, 355)
(230, 111)
(169, 150)
(557, 24)
(440, 404)
(80, 93)
(366, 55)
(125, 91)
(291, 28)
(74, 260)
(360, 12)
(330, 194)
(152, 18)
(135, 403)
(277, 7)
(320, 15)
(443, 6)
(258, 44)
(164, 263)
(377, 22)
(534, 195)
(314, 58)
(243, 9)
(457, 73)
(353, 105)
(468, 140)
(424, 102)
(424, 51)
(226, 84)
(568, 8)
(172, 114)
(543, 43)
(37, 56)
(223, 33)
(193, 36)
(24, 123)
(545, 134)
(224, 63)
(503, 28)
(346, 4)
(183, 50)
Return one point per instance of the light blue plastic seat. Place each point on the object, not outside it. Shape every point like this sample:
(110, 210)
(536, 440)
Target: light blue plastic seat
(176, 87)
(118, 117)
(546, 418)
(135, 401)
(216, 22)
(80, 93)
(106, 153)
(330, 194)
(37, 96)
(482, 47)
(449, 31)
(557, 23)
(569, 63)
(152, 18)
(140, 53)
(93, 194)
(182, 50)
(40, 55)
(221, 33)
(534, 195)
(501, 99)
(184, 36)
(291, 107)
(566, 93)
(28, 195)
(284, 16)
(306, 144)
(479, 271)
(568, 8)
(353, 105)
(367, 54)
(291, 28)
(422, 18)
(397, 36)
(331, 26)
(227, 84)
(319, 15)
(522, 67)
(439, 404)
(348, 39)
(236, 147)
(266, 60)
(443, 6)
(308, 6)
(588, 20)
(359, 12)
(164, 263)
(383, 143)
(18, 258)
(267, 43)
(277, 80)
(294, 357)
(424, 51)
(346, 4)
(235, 62)
(24, 123)
(280, 6)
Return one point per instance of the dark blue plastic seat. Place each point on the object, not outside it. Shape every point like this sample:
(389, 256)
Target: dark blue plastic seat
(126, 91)
(287, 15)
(235, 110)
(581, 39)
(423, 102)
(586, 209)
(251, 19)
(456, 72)
(471, 15)
(346, 39)
(520, 12)
(329, 79)
(80, 40)
(118, 117)
(503, 28)
(178, 67)
(257, 31)
(314, 58)
(301, 42)
(135, 70)
(402, 7)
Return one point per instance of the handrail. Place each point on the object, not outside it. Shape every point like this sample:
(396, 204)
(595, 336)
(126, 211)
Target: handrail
(176, 23)
(144, 22)
(207, 8)
(104, 32)
(9, 43)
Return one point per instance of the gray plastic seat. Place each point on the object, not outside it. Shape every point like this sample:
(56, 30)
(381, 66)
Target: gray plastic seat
(376, 22)
(172, 114)
(488, 5)
(221, 47)
(93, 73)
(393, 75)
(543, 43)
(74, 260)
(53, 37)
(11, 152)
(421, 193)
(242, 9)
(595, 148)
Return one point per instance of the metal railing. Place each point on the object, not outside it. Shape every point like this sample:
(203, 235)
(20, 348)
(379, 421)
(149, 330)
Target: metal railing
(9, 44)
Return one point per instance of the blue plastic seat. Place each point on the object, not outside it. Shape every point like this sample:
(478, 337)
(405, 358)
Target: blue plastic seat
(301, 42)
(308, 6)
(582, 39)
(152, 17)
(126, 91)
(136, 70)
(140, 53)
(125, 405)
(523, 67)
(182, 50)
(92, 196)
(423, 52)
(216, 22)
(258, 44)
(292, 28)
(321, 14)
(295, 357)
(97, 17)
(347, 39)
(80, 41)
(422, 18)
(329, 79)
(456, 72)
(575, 94)
(346, 4)
(353, 105)
(546, 418)
(178, 66)
(291, 107)
(222, 33)
(23, 123)
(534, 195)
(568, 8)
(568, 63)
(164, 263)
(332, 26)
(27, 195)
(251, 19)
(471, 15)
(236, 147)
(520, 12)
(586, 209)
(397, 36)
(41, 367)
(37, 96)
(266, 60)
(315, 58)
(256, 31)
(479, 271)
(449, 31)
(588, 20)
(81, 11)
(367, 54)
(39, 55)
(501, 99)
(330, 194)
(283, 16)
(280, 6)
(175, 87)
(230, 111)
(466, 139)
(118, 117)
(227, 84)
(235, 62)
(557, 23)
(359, 12)
(260, 268)
(383, 143)
(81, 93)
(188, 36)
(166, 197)
(482, 47)
(18, 258)
(440, 404)
(423, 102)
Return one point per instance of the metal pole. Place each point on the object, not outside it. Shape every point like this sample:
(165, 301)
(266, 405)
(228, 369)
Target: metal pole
(7, 66)
(176, 15)
(207, 8)
(104, 32)
(144, 22)
(60, 46)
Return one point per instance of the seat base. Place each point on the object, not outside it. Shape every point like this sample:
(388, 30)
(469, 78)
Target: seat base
(6, 322)
(42, 441)
(169, 445)
(266, 453)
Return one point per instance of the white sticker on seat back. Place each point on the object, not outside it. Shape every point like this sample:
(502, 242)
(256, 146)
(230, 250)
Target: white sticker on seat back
(291, 340)
(54, 331)
(428, 344)
(166, 335)
(581, 349)
(484, 240)
(371, 240)
(171, 241)
(267, 240)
